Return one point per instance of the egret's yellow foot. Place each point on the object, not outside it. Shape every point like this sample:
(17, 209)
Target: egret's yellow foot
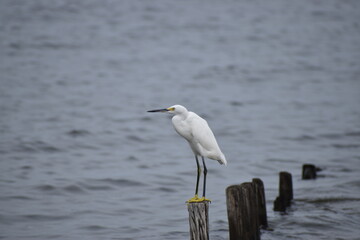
(194, 199)
(197, 199)
(203, 199)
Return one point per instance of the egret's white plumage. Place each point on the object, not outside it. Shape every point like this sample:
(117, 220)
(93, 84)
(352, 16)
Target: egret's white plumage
(197, 132)
(202, 141)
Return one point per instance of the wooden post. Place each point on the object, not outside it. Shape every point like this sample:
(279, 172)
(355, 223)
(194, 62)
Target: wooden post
(260, 201)
(308, 171)
(242, 212)
(285, 192)
(286, 188)
(279, 204)
(199, 220)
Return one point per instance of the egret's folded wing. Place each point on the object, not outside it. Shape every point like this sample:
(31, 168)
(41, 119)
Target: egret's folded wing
(203, 135)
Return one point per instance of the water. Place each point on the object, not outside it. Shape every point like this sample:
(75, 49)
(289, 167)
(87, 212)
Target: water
(80, 158)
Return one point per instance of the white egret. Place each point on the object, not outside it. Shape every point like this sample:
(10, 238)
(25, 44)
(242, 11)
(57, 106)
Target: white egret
(202, 141)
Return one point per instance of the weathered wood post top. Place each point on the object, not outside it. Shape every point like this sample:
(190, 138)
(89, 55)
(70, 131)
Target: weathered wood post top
(199, 220)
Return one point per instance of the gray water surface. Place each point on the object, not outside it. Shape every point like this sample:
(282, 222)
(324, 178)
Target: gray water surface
(80, 158)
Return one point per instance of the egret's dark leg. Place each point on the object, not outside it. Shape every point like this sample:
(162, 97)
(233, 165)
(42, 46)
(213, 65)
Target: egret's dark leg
(205, 172)
(198, 175)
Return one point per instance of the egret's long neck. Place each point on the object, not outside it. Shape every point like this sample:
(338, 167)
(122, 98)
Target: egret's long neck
(183, 115)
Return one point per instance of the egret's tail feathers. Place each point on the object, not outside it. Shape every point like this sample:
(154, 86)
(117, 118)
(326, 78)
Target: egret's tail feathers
(222, 160)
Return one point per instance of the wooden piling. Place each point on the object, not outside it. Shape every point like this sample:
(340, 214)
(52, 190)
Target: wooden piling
(242, 212)
(279, 204)
(286, 187)
(260, 201)
(199, 220)
(308, 171)
(285, 192)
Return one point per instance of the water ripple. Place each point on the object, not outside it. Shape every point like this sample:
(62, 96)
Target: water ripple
(74, 189)
(96, 187)
(42, 217)
(36, 146)
(340, 146)
(121, 182)
(17, 197)
(94, 227)
(165, 189)
(46, 188)
(134, 138)
(331, 200)
(300, 138)
(78, 133)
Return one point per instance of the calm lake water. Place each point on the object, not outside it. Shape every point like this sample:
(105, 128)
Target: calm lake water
(80, 158)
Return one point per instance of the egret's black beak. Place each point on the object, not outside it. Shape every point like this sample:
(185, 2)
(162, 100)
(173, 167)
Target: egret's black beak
(159, 110)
